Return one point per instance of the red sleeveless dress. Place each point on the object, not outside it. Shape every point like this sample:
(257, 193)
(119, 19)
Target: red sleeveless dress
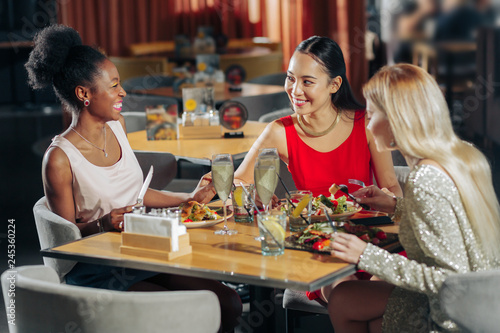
(317, 171)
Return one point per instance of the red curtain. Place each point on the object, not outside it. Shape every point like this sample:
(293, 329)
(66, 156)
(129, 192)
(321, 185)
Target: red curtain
(114, 24)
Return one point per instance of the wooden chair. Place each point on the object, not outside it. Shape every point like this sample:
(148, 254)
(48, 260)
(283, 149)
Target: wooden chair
(129, 67)
(425, 56)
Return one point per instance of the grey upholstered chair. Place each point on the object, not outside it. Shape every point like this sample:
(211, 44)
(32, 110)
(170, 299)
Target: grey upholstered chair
(148, 82)
(472, 300)
(262, 104)
(54, 230)
(165, 172)
(134, 121)
(276, 79)
(277, 114)
(42, 304)
(164, 165)
(138, 102)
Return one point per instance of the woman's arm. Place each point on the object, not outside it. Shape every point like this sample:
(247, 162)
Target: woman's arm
(383, 168)
(203, 193)
(273, 136)
(442, 242)
(58, 187)
(57, 180)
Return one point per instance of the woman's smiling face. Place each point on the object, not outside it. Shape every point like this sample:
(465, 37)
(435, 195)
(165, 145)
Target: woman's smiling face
(108, 95)
(308, 87)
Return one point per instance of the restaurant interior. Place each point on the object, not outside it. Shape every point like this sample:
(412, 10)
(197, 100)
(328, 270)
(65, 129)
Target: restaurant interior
(254, 39)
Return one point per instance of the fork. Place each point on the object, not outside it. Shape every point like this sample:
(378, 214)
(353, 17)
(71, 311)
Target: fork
(330, 219)
(344, 189)
(356, 182)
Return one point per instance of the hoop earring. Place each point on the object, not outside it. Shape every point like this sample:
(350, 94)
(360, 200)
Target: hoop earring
(86, 102)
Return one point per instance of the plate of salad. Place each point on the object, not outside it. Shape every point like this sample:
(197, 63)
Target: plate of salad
(317, 237)
(198, 215)
(338, 208)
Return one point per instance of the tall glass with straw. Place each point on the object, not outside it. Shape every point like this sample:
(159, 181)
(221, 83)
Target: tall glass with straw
(267, 166)
(222, 177)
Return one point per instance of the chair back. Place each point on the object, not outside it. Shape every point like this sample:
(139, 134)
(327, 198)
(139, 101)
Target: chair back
(42, 304)
(134, 120)
(277, 114)
(276, 79)
(145, 82)
(472, 300)
(164, 165)
(137, 102)
(54, 230)
(263, 104)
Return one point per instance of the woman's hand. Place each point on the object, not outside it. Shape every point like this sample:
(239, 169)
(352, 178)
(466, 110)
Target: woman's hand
(348, 247)
(205, 190)
(376, 198)
(114, 219)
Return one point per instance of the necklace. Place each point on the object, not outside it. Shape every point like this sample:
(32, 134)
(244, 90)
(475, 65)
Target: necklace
(101, 149)
(328, 130)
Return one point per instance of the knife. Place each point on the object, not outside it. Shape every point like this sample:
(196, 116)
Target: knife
(144, 187)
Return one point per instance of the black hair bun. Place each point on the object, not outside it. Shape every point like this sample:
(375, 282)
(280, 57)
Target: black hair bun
(49, 54)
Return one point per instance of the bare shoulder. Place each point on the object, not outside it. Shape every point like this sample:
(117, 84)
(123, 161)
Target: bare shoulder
(55, 165)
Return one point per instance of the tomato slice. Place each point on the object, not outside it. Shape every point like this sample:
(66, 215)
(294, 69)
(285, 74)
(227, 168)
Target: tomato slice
(318, 246)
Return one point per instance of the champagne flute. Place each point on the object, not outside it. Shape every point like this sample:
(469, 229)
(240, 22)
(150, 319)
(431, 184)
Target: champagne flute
(222, 177)
(270, 156)
(266, 180)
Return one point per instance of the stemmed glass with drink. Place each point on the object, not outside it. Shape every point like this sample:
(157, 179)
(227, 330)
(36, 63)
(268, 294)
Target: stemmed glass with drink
(222, 177)
(267, 166)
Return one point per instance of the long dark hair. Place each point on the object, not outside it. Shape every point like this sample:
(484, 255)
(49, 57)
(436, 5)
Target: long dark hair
(329, 55)
(59, 59)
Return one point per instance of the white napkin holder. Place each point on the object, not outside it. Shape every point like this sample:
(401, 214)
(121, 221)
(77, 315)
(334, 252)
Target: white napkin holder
(157, 235)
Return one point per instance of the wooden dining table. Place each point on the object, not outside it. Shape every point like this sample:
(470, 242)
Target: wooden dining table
(200, 151)
(236, 258)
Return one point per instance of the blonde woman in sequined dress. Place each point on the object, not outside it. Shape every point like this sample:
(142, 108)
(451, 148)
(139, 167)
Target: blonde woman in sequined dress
(450, 220)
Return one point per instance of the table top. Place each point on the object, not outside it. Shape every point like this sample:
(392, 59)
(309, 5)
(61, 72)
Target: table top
(235, 258)
(200, 151)
(247, 89)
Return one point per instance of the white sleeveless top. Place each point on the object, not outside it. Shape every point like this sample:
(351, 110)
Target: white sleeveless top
(97, 190)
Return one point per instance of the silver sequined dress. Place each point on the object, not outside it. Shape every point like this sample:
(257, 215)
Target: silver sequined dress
(437, 237)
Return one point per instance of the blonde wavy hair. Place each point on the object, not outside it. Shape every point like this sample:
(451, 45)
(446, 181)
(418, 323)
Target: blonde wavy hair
(419, 119)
